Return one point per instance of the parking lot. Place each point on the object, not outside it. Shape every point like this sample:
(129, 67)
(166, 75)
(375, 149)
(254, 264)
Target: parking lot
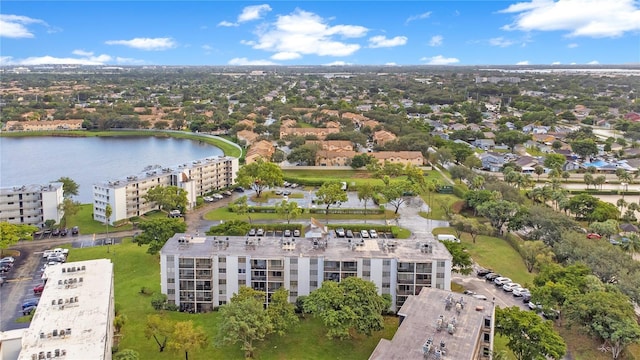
(479, 285)
(27, 274)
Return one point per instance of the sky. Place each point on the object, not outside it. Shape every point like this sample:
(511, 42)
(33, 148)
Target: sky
(120, 33)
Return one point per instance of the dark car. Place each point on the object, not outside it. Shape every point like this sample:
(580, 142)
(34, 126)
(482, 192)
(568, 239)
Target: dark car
(75, 230)
(55, 232)
(491, 276)
(29, 303)
(239, 189)
(349, 234)
(63, 232)
(482, 272)
(5, 268)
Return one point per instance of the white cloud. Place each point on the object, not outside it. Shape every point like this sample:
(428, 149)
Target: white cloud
(286, 56)
(253, 12)
(436, 40)
(524, 62)
(439, 60)
(226, 23)
(206, 47)
(418, 17)
(338, 63)
(594, 62)
(382, 41)
(391, 64)
(306, 33)
(572, 46)
(14, 26)
(591, 18)
(245, 61)
(128, 61)
(82, 53)
(556, 63)
(83, 58)
(149, 44)
(500, 41)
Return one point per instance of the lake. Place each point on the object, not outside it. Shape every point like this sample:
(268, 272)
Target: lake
(88, 160)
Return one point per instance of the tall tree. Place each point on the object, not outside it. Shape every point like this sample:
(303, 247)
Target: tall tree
(531, 252)
(260, 175)
(69, 186)
(156, 232)
(241, 207)
(512, 138)
(584, 148)
(158, 328)
(127, 354)
(554, 161)
(288, 209)
(529, 336)
(185, 337)
(461, 261)
(281, 312)
(244, 320)
(366, 192)
(12, 233)
(353, 303)
(498, 212)
(395, 193)
(69, 208)
(107, 214)
(331, 193)
(167, 197)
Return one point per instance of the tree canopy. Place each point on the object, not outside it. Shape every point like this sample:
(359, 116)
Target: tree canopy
(331, 193)
(69, 186)
(168, 197)
(260, 175)
(12, 233)
(353, 303)
(157, 231)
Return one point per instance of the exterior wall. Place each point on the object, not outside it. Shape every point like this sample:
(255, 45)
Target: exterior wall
(31, 204)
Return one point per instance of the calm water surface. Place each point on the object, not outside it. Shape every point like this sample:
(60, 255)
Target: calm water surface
(40, 160)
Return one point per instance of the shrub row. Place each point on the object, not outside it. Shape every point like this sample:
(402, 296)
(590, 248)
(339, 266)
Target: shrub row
(603, 192)
(305, 182)
(272, 210)
(459, 191)
(358, 227)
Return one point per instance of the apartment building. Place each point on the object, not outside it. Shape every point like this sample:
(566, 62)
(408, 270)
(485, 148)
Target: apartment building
(197, 178)
(199, 273)
(31, 204)
(439, 324)
(74, 317)
(45, 125)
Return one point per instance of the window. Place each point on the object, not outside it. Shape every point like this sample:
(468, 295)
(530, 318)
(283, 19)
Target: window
(366, 274)
(242, 271)
(440, 263)
(171, 280)
(222, 259)
(386, 274)
(222, 281)
(486, 337)
(171, 291)
(169, 258)
(386, 262)
(293, 261)
(222, 271)
(366, 262)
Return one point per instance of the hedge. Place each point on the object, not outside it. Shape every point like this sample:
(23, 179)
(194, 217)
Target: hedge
(347, 211)
(358, 227)
(305, 182)
(603, 192)
(459, 191)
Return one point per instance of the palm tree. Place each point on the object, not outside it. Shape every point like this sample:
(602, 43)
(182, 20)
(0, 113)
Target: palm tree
(477, 182)
(621, 203)
(107, 214)
(632, 245)
(566, 176)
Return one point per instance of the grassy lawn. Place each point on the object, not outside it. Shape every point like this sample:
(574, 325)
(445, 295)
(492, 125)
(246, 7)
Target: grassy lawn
(134, 269)
(495, 253)
(434, 200)
(84, 220)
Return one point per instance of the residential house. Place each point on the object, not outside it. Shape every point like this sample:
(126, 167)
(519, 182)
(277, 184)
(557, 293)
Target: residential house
(528, 163)
(400, 157)
(382, 137)
(357, 119)
(442, 135)
(545, 138)
(492, 161)
(332, 124)
(489, 135)
(248, 124)
(328, 112)
(535, 129)
(48, 125)
(263, 149)
(457, 127)
(248, 136)
(484, 144)
(372, 124)
(632, 116)
(289, 123)
(319, 133)
(332, 145)
(334, 158)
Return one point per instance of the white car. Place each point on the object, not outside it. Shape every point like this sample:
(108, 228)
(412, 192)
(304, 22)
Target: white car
(8, 259)
(217, 196)
(373, 234)
(534, 306)
(501, 280)
(207, 199)
(520, 292)
(479, 296)
(508, 287)
(364, 234)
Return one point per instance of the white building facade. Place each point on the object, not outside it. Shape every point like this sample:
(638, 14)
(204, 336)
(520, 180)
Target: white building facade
(31, 204)
(197, 178)
(199, 273)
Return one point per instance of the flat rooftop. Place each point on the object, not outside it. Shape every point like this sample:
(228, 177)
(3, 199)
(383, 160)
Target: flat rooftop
(74, 313)
(414, 249)
(421, 319)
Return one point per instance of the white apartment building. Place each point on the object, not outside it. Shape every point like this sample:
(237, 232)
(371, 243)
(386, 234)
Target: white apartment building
(199, 273)
(74, 317)
(197, 178)
(31, 204)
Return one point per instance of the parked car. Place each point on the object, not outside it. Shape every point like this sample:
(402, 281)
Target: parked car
(479, 296)
(508, 287)
(286, 193)
(491, 276)
(260, 232)
(278, 192)
(373, 234)
(227, 193)
(534, 306)
(28, 310)
(287, 233)
(296, 233)
(517, 292)
(364, 234)
(9, 259)
(501, 280)
(526, 298)
(56, 258)
(75, 230)
(252, 232)
(594, 236)
(349, 234)
(55, 232)
(29, 303)
(239, 189)
(483, 272)
(340, 232)
(5, 268)
(468, 292)
(207, 199)
(63, 232)
(38, 289)
(217, 196)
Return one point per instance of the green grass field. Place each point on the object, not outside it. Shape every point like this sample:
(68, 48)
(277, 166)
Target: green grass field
(84, 220)
(134, 269)
(226, 215)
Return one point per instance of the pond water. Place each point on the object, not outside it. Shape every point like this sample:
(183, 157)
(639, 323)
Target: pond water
(88, 160)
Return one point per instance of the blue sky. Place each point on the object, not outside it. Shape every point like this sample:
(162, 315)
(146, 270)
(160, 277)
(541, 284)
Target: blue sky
(535, 32)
